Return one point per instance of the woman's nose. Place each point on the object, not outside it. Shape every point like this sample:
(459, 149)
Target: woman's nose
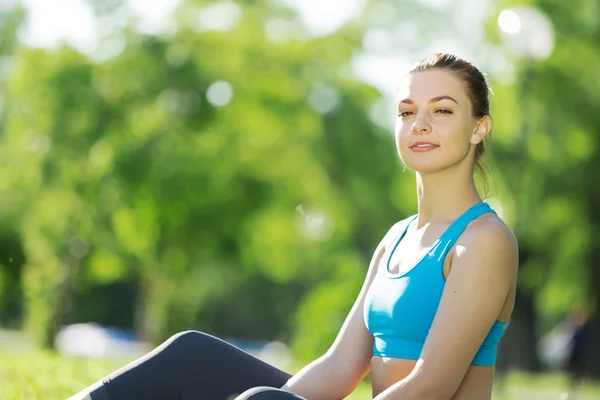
(421, 125)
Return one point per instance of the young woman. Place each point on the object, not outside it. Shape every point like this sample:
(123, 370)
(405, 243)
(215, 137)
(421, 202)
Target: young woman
(437, 296)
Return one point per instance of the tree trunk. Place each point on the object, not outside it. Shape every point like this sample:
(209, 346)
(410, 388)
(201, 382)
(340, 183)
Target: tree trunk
(152, 308)
(518, 346)
(525, 333)
(593, 344)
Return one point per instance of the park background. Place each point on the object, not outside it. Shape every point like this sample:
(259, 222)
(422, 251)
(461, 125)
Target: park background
(229, 167)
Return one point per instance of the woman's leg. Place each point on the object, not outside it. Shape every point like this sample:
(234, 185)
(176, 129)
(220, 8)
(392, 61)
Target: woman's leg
(190, 365)
(267, 393)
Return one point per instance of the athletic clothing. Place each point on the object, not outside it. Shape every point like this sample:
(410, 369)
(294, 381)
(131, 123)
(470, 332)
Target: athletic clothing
(399, 308)
(194, 366)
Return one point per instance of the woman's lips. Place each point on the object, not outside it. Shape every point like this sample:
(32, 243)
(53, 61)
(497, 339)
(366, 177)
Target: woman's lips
(423, 147)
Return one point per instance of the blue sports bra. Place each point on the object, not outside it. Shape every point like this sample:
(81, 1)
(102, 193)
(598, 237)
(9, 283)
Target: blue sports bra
(399, 308)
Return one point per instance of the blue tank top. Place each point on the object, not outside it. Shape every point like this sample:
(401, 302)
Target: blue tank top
(399, 308)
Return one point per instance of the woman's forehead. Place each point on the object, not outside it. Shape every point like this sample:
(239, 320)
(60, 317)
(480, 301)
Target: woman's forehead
(425, 85)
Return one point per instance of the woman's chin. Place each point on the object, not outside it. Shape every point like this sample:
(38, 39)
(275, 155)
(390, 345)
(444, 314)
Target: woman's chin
(424, 167)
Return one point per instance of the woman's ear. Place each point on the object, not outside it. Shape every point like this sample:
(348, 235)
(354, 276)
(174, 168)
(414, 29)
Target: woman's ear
(482, 129)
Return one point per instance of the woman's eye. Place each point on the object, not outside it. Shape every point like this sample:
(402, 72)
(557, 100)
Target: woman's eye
(404, 113)
(443, 111)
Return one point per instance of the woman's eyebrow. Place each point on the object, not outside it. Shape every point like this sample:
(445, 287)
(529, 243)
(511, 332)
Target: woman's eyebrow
(445, 97)
(433, 100)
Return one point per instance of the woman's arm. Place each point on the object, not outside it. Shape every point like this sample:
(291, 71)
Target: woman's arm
(339, 371)
(484, 269)
(326, 378)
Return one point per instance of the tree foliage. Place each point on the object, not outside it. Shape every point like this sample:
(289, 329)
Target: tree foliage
(229, 178)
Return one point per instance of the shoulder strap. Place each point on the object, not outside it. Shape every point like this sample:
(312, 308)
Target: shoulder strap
(397, 231)
(394, 236)
(451, 235)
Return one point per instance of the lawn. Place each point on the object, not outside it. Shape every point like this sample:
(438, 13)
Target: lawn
(48, 376)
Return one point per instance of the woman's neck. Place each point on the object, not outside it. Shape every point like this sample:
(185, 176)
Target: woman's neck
(444, 196)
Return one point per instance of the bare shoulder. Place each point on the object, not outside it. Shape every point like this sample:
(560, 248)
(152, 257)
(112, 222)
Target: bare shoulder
(489, 228)
(490, 237)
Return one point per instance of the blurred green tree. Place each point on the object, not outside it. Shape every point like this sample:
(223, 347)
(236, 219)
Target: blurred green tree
(226, 175)
(180, 164)
(546, 164)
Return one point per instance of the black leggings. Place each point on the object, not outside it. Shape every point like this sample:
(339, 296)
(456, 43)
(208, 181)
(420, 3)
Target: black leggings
(194, 366)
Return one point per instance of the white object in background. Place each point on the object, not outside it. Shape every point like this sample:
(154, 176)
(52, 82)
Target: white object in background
(527, 31)
(95, 341)
(554, 348)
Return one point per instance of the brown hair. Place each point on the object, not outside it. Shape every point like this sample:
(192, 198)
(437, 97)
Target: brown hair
(477, 88)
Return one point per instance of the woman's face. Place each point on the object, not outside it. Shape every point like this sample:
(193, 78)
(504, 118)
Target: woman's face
(435, 127)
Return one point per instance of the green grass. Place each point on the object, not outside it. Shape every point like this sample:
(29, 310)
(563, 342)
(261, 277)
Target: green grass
(46, 375)
(521, 386)
(518, 385)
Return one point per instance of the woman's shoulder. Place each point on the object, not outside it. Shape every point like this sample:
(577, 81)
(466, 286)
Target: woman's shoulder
(490, 226)
(489, 233)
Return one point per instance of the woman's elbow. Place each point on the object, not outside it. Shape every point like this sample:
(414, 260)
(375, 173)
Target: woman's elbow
(431, 392)
(431, 388)
(438, 390)
(348, 374)
(438, 395)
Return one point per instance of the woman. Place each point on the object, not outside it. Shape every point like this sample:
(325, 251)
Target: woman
(437, 296)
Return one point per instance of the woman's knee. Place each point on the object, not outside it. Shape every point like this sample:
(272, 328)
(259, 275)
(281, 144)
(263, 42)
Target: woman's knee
(267, 393)
(187, 336)
(190, 343)
(194, 344)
